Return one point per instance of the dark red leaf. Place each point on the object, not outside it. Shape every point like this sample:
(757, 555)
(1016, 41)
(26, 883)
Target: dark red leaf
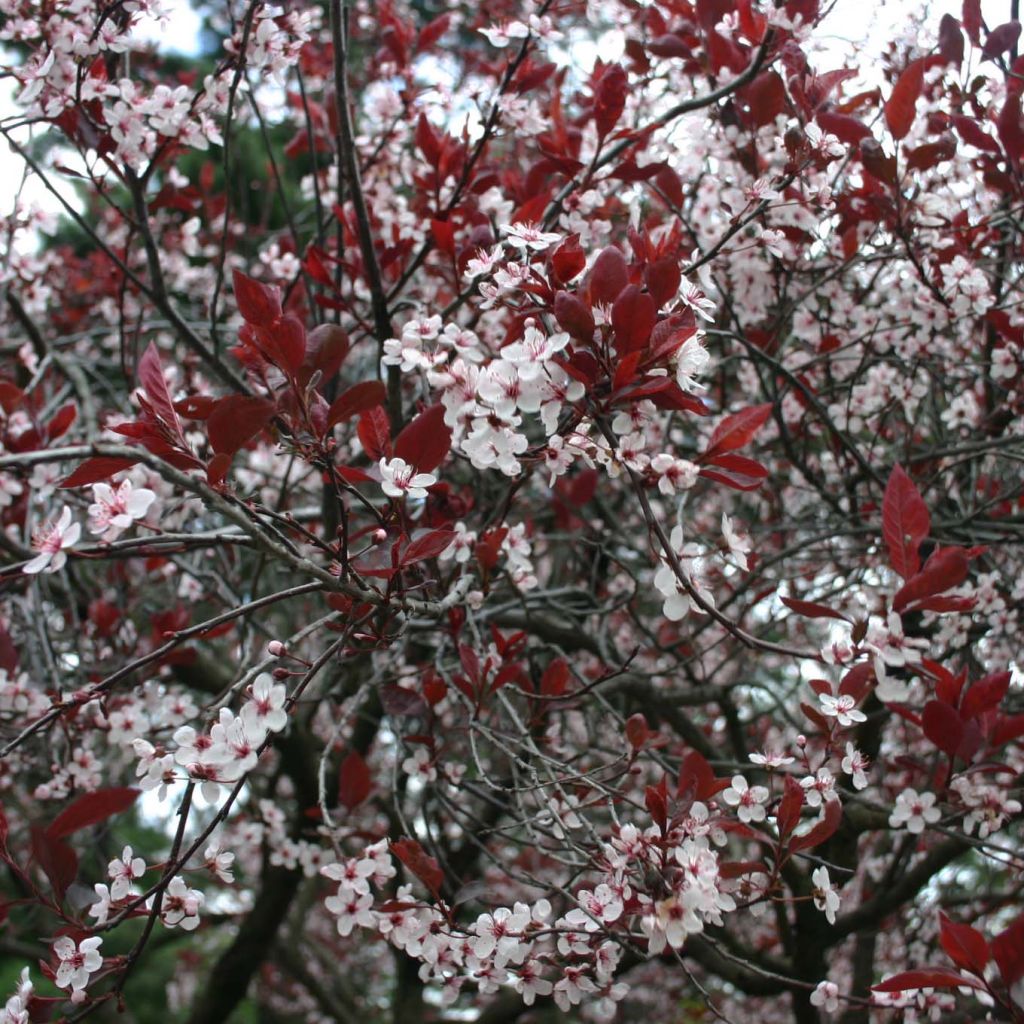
(284, 343)
(844, 127)
(1000, 39)
(788, 814)
(92, 471)
(737, 430)
(985, 694)
(823, 830)
(637, 731)
(57, 859)
(358, 398)
(236, 420)
(374, 432)
(151, 377)
(945, 569)
(425, 441)
(326, 348)
(812, 610)
(574, 316)
(902, 104)
(964, 945)
(555, 680)
(259, 304)
(608, 276)
(697, 776)
(609, 99)
(11, 396)
(424, 867)
(1008, 125)
(1008, 952)
(971, 18)
(429, 545)
(195, 407)
(905, 522)
(662, 279)
(91, 808)
(927, 977)
(943, 725)
(568, 260)
(353, 780)
(951, 40)
(61, 421)
(633, 318)
(432, 31)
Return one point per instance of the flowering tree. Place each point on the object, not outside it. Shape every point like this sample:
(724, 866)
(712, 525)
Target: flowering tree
(494, 532)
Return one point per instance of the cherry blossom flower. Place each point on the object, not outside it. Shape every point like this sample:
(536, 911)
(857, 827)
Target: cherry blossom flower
(818, 787)
(771, 759)
(674, 474)
(350, 908)
(826, 995)
(914, 811)
(748, 800)
(739, 546)
(826, 898)
(77, 962)
(101, 908)
(530, 236)
(265, 709)
(399, 479)
(123, 871)
(16, 1010)
(530, 983)
(843, 708)
(691, 361)
(52, 542)
(856, 765)
(180, 906)
(219, 862)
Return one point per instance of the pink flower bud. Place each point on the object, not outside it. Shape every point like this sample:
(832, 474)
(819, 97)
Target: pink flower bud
(276, 649)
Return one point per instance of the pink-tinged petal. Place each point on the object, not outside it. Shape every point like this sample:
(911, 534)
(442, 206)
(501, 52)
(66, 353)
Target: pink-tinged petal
(38, 564)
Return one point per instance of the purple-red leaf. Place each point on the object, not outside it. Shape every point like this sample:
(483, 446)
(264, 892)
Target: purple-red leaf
(259, 304)
(429, 545)
(927, 977)
(737, 430)
(425, 441)
(356, 399)
(236, 420)
(353, 780)
(905, 522)
(902, 104)
(92, 471)
(91, 808)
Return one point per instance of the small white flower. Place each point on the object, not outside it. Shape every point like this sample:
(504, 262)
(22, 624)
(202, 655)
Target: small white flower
(77, 962)
(113, 512)
(749, 801)
(826, 995)
(52, 542)
(914, 811)
(529, 236)
(856, 765)
(739, 546)
(843, 708)
(180, 906)
(399, 479)
(825, 897)
(123, 871)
